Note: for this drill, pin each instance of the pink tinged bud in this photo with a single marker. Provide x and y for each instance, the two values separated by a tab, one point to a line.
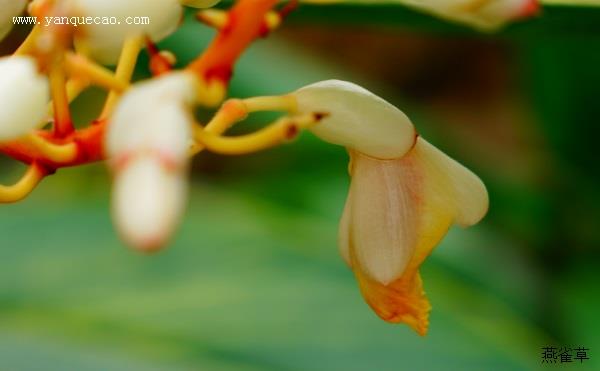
148	202
156	19
8	10
24	94
148	139
357	119
200	3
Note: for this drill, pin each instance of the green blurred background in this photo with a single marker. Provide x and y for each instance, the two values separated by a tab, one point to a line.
253	280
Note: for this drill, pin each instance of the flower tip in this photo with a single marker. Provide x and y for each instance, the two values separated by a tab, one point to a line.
148	200
529	9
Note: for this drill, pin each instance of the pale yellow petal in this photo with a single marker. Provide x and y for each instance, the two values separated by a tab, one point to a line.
453	183
385	215
433	192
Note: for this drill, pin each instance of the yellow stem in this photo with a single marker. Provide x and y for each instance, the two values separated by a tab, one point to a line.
75	87
24	186
286	103
62	114
280	131
214	18
28	45
210	94
231	112
127	61
83	68
235	110
59	153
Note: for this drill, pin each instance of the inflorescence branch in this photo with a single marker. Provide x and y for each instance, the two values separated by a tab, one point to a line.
70	73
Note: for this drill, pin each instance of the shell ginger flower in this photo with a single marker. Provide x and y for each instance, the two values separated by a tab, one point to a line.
404	195
148	140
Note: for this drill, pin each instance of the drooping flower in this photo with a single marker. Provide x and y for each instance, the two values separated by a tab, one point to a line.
156	19
8	10
483	14
148	140
24	94
404	195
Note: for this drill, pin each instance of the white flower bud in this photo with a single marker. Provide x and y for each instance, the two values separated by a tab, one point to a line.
148	200
104	41
153	116
148	140
200	3
24	94
357	119
8	10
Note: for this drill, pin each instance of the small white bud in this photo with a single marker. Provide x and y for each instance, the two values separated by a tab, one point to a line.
8	10
148	200
24	94
357	119
157	19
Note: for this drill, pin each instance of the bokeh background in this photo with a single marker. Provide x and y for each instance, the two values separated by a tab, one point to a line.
253	280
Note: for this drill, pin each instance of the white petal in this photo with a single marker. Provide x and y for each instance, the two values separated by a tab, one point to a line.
148	202
200	3
24	94
357	119
384	216
104	42
154	116
8	10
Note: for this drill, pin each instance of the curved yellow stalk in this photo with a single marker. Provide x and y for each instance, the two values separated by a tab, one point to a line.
280	131
127	61
59	153
20	190
215	18
287	103
82	67
235	110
